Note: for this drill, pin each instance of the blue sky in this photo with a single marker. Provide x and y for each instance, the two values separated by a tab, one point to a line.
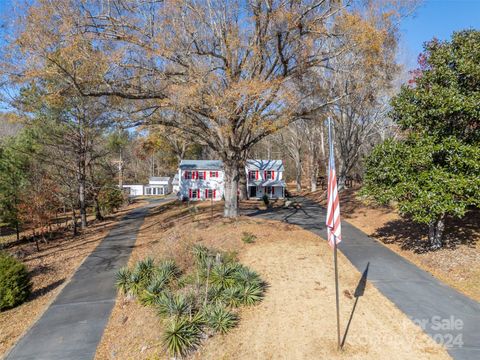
434	18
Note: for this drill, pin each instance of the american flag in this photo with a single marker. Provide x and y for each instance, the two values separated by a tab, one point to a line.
334	228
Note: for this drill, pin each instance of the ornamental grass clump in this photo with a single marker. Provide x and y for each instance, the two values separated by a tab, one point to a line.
196	304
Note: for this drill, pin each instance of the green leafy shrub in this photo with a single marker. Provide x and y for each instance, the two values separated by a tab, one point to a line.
15	284
111	199
266	200
248	238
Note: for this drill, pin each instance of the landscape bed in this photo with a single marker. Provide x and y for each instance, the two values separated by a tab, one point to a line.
295	320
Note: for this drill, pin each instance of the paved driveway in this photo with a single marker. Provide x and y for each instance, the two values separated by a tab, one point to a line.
448	316
72	326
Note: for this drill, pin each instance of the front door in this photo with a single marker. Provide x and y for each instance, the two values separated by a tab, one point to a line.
253	191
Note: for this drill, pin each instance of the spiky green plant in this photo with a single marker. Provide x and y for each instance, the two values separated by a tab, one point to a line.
231	296
201	254
149	296
252	294
123	279
135	284
219	319
245	276
170	304
182	335
222	275
168	270
144	271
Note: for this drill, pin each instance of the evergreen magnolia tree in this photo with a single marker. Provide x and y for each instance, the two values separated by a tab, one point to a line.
435	172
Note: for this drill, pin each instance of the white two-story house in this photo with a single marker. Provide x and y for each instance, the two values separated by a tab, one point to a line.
200	180
265	177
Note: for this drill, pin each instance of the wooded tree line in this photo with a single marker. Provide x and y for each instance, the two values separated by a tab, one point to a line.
224	74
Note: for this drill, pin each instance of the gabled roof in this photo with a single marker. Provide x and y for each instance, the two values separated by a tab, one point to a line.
257	164
201	165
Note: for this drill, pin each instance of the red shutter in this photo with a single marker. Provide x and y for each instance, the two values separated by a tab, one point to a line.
214	194
256	175
185	174
265	175
190	193
273	175
216	174
204	175
206	193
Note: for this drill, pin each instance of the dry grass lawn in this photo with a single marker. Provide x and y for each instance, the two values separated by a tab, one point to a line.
51	268
296	320
457	264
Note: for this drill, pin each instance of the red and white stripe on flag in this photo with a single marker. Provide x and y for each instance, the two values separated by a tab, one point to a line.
334	228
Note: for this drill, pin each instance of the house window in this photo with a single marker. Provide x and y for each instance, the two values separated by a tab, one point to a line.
269	190
188	175
214	174
252	175
201	175
269	175
148	191
208	193
193	193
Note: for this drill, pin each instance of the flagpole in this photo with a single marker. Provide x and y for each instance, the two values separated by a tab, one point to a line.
335	262
337	300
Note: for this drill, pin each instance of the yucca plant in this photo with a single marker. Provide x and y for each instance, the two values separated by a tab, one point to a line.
149	296
219	319
135	284
245	276
123	279
144	271
231	296
252	294
201	254
182	335
168	270
222	275
169	304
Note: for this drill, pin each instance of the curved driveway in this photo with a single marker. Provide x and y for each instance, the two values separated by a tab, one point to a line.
448	316
73	324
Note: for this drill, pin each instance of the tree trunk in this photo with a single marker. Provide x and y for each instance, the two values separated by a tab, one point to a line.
74	222
242	182
435	233
98	213
17	230
82	203
120	170
298	177
231	187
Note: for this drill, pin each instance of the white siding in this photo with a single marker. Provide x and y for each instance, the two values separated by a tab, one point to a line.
134	190
213	183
